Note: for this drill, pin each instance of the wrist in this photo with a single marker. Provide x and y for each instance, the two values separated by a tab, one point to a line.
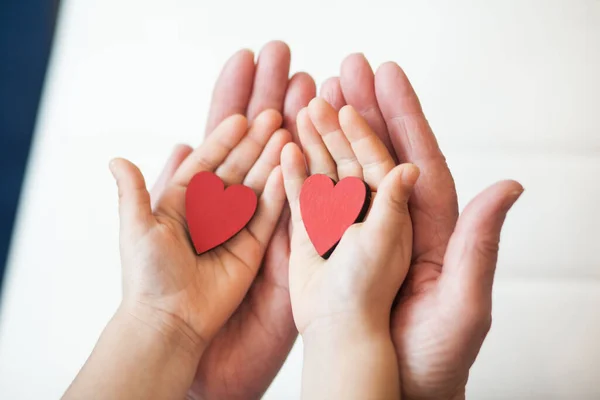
346	328
140	354
354	360
357	340
163	328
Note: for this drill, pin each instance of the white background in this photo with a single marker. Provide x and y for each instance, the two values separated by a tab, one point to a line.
512	89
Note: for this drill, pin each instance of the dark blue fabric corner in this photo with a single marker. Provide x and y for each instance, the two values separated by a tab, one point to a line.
26	31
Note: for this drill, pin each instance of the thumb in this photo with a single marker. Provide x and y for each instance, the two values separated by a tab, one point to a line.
134	199
389	213
470	260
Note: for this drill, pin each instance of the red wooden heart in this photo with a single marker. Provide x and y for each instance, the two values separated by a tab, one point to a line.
328	209
215	214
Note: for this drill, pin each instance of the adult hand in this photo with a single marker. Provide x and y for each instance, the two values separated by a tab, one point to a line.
244	357
443	311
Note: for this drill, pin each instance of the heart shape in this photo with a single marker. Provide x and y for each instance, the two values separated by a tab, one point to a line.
328	209
215	214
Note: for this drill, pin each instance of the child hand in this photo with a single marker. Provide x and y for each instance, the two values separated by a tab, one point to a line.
162	275
342	305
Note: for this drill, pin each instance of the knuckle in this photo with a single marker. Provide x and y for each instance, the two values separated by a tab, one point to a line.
486	245
203	163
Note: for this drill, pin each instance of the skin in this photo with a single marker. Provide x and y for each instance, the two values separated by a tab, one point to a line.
167	287
443	311
244	357
342	305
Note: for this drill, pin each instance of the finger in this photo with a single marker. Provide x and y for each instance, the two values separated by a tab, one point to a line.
270	205
317	156
268	160
270	79
389	218
210	154
134	199
470	261
331	92
434	206
231	93
294	175
325	120
239	161
180	152
371	153
357	83
301	89
250	244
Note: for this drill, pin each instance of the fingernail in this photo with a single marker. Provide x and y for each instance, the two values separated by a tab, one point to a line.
513	197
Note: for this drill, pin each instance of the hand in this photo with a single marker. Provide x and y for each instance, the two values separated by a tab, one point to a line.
443	312
244	357
162	274
366	269
349	295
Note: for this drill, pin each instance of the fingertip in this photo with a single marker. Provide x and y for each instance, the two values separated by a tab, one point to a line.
302	86
235	122
112	166
409	174
329	84
244	54
303	124
292	161
353	62
400	181
275	176
239	60
275	48
307	132
270	117
514	190
351	121
347	113
303	78
315	104
391	80
116	165
283	135
360	56
238	119
127	175
514	186
389	67
302	115
301	89
288	154
319	109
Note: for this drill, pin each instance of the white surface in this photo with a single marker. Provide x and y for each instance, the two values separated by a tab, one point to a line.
511	88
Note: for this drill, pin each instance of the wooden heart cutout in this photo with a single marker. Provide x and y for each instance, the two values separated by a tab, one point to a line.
215	214
328	209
